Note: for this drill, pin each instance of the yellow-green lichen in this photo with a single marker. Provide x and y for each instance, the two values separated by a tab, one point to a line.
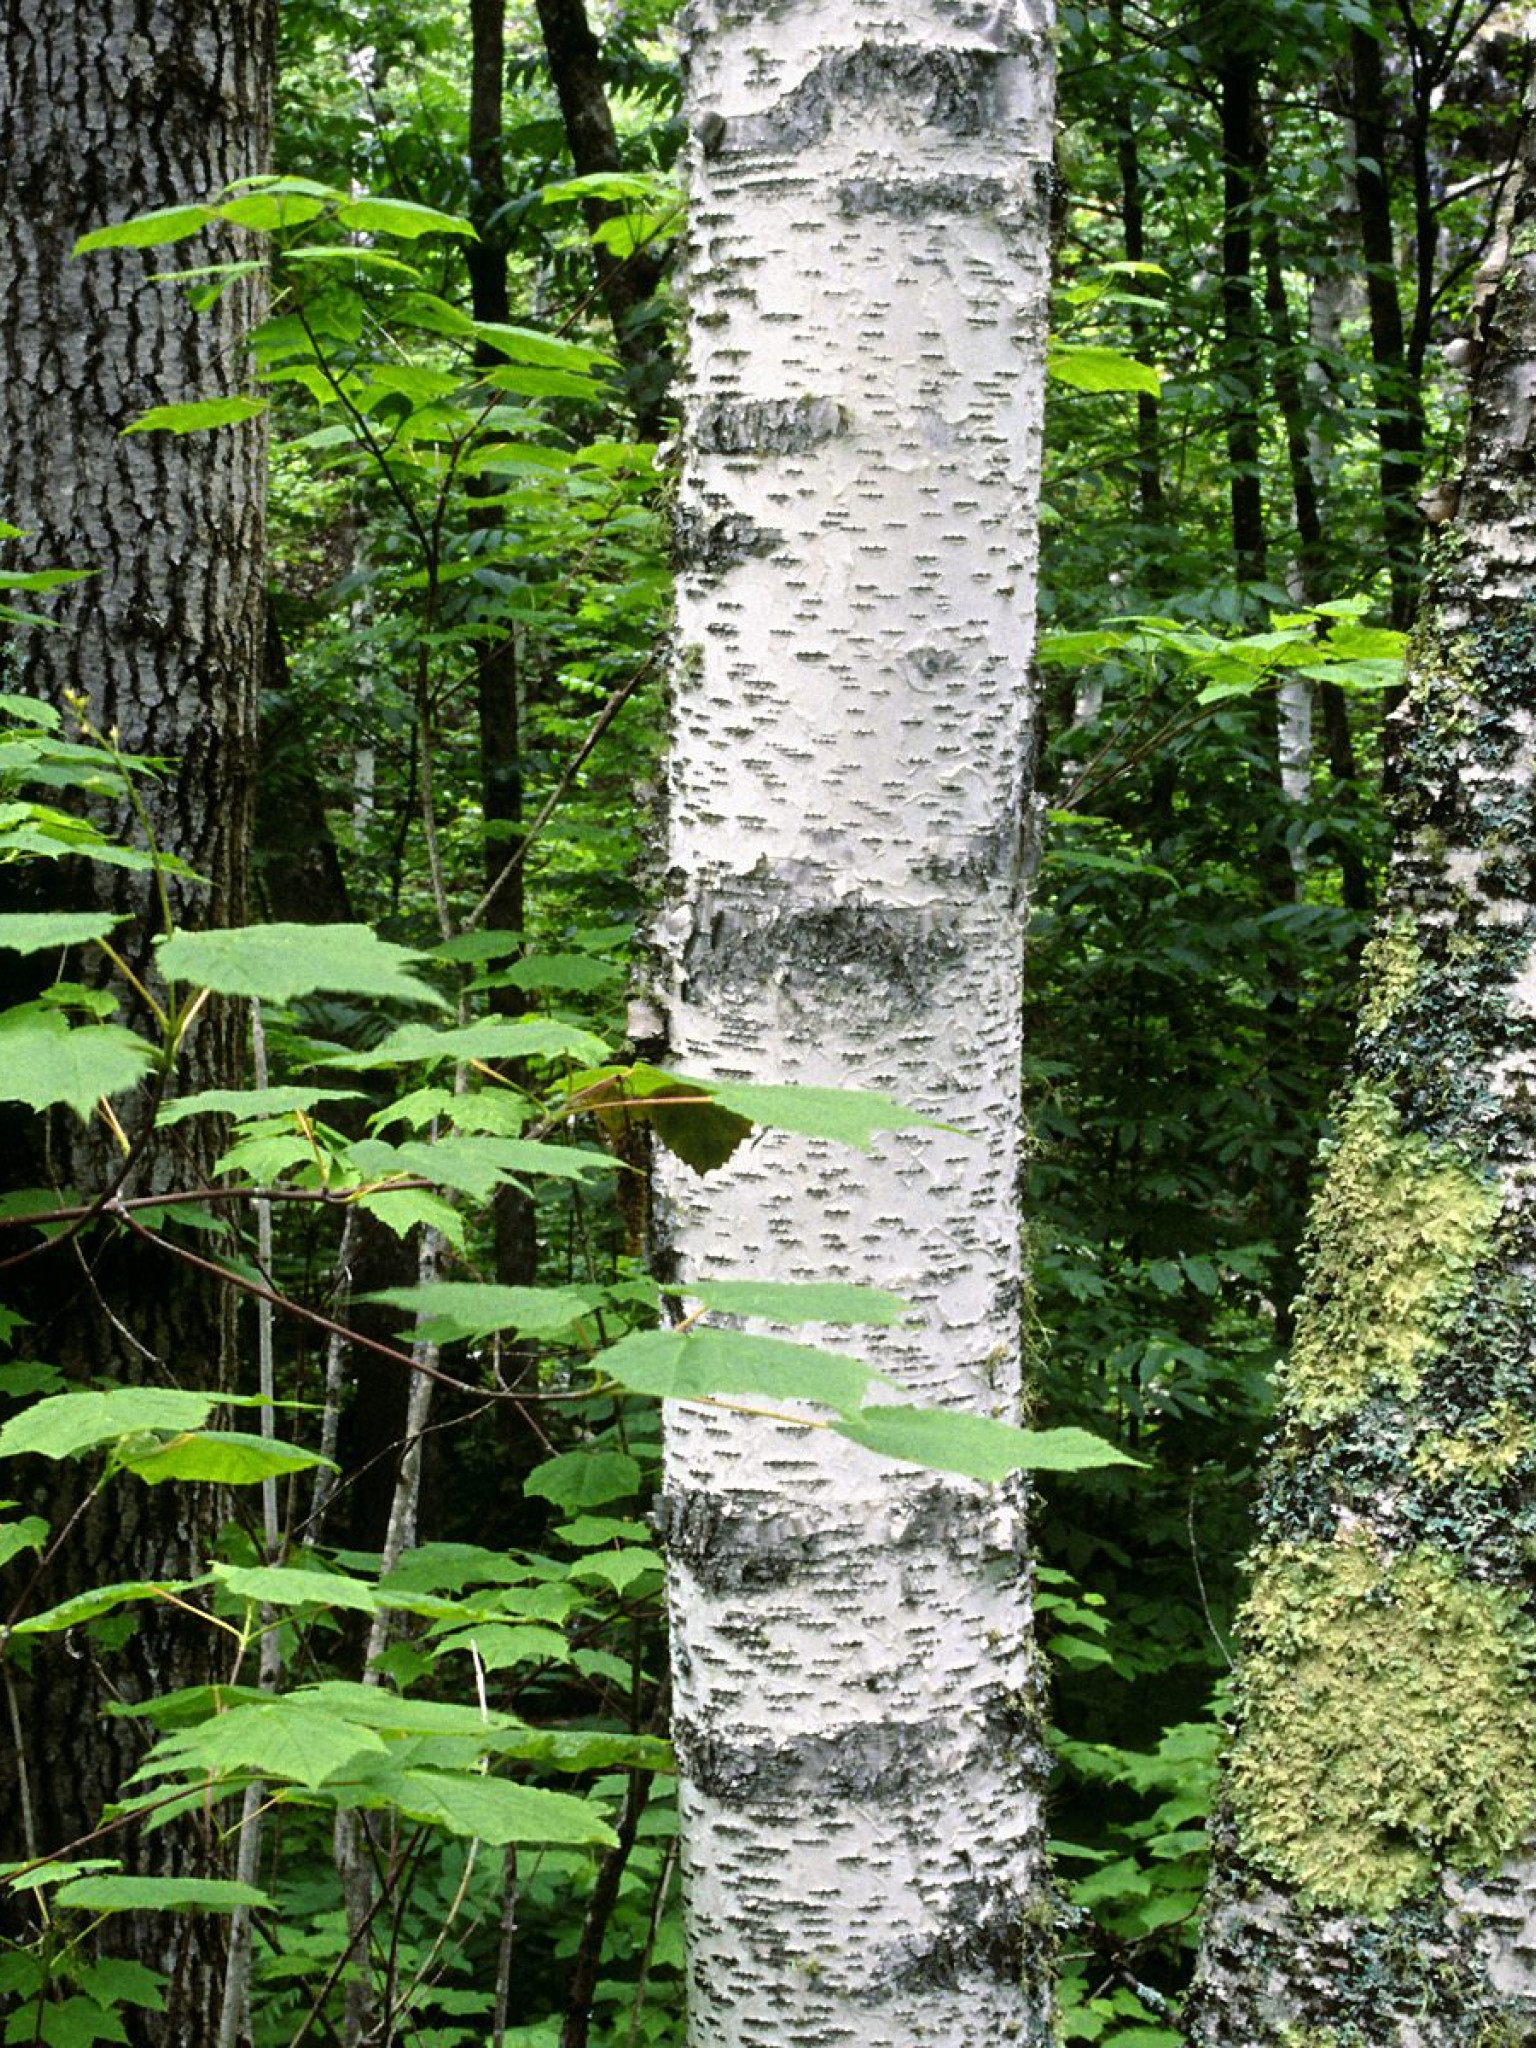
1389	974
1484	1453
1387	1727
1398	1227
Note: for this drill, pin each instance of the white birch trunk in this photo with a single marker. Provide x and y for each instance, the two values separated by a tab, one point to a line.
857	1705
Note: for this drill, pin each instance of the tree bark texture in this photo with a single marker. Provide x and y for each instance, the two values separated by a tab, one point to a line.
105	112
627	284
1399	404
857	1708
1375	1885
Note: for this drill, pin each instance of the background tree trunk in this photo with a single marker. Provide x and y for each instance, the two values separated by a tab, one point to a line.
1372	1885
857	1705
105	112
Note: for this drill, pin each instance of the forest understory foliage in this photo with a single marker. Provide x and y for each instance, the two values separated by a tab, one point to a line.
418	1781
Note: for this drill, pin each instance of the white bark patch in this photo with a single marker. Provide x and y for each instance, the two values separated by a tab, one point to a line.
856	1701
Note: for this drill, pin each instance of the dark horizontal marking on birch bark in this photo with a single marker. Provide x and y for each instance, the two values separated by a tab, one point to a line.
718	540
921	198
766	426
886	953
925	88
985	1932
730	1549
999	26
873	1761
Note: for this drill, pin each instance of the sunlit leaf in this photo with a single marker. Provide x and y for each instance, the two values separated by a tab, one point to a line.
219	1457
146	230
978	1446
689	1365
196	416
278	962
45	1059
65	1424
454	1310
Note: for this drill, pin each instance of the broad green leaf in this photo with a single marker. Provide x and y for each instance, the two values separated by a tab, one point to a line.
577	972
99	1600
619	1569
267	210
46	931
374	1706
52	579
72	2022
29	1877
848	1116
403	1210
603	185
584	1479
1073	650
581	1750
31	1533
501	1646
109	1894
66	1424
278	962
511	1038
474	1164
532	380
698	1130
1087	368
147	230
474	947
44	1059
274	1585
221	1457
278	1738
434	315
691	1365
549	351
374	216
197	416
494	1810
531	1156
978	1446
794	1301
468	1309
115	1980
587	1531
352	256
250	1102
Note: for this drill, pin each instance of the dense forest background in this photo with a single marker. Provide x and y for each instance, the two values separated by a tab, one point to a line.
1270	221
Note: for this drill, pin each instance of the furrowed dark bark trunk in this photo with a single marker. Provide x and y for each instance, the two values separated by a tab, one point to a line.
1312	546
105	112
1399	407
627	284
496	672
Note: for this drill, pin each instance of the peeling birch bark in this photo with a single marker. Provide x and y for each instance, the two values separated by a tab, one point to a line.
1376	1881
857	1698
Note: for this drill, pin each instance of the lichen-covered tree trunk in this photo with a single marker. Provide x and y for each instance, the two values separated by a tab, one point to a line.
856	1702
106	111
1373	1887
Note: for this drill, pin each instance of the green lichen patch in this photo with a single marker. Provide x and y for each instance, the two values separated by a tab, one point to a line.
1387	1728
1486	1452
1389	973
1398	1228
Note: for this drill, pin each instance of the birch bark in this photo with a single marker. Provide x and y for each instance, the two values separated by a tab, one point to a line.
857	1707
1374	1875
